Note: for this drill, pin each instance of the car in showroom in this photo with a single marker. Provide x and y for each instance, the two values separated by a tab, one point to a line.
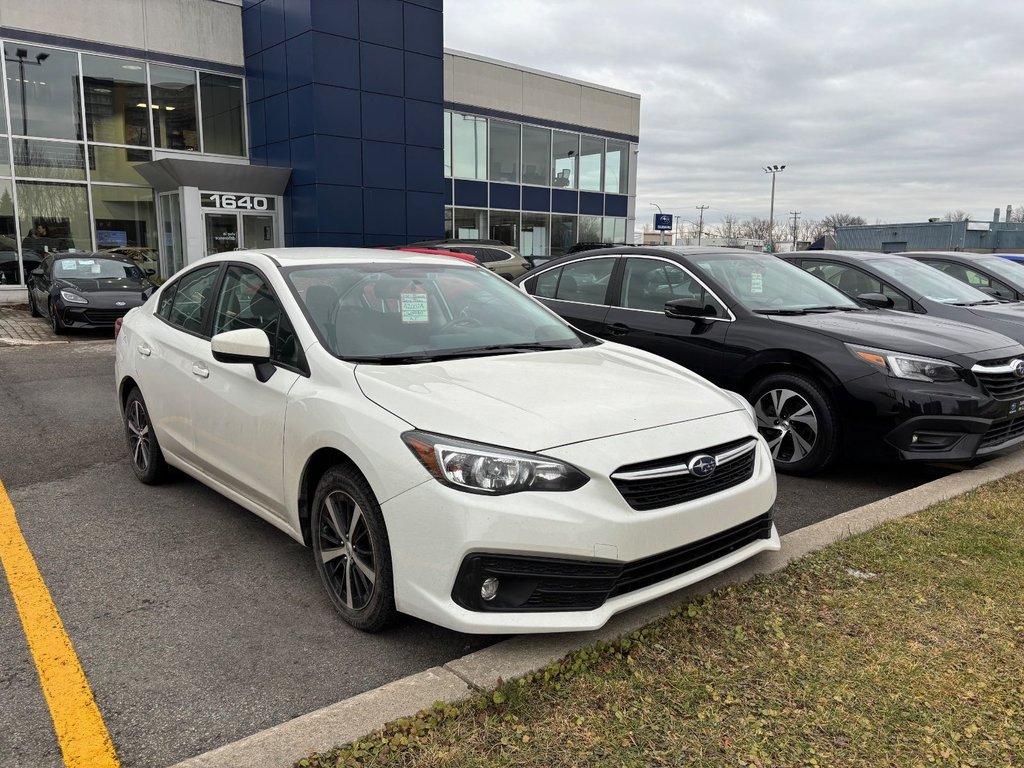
86	290
370	404
989	274
500	258
896	282
827	375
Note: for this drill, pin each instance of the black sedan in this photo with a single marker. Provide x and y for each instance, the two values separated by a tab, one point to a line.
86	290
910	286
991	274
826	374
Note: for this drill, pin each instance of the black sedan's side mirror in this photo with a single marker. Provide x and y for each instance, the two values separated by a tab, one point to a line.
689	308
879	300
37	271
150	271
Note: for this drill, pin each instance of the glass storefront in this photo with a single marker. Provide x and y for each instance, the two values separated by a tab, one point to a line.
533	234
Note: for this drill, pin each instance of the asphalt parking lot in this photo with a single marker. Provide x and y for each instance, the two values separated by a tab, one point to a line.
195	622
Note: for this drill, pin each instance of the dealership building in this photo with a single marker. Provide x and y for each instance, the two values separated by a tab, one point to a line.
173	129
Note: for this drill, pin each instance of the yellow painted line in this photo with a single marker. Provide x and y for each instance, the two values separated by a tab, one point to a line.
82	735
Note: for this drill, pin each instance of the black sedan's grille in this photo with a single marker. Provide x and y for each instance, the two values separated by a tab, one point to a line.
1003	431
1002	385
104	316
549	584
654	492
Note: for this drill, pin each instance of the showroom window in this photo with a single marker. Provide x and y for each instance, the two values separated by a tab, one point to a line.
223	114
9	271
469	146
126	218
563	234
536	155
470	223
117	164
613	230
53	217
505	226
49	160
504	151
174	108
589	229
447	144
565	148
115	100
616	167
591	162
43	91
533	239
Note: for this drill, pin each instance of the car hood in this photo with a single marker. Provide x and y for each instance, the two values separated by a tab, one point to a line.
540	400
904	332
103	285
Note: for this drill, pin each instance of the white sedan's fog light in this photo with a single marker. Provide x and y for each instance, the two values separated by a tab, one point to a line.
489	588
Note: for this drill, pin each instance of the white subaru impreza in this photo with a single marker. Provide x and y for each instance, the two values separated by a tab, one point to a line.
448	447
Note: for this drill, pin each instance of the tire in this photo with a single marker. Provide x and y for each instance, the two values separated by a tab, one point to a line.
33	310
55	322
144	452
351	550
797	418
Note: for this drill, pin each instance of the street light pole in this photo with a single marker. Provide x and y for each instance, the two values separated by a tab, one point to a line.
700	227
660	212
772	169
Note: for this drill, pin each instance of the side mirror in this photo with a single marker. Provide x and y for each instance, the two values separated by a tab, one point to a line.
689	308
247	346
879	300
38	271
150	271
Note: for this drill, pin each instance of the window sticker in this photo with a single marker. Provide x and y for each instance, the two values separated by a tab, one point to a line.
414	308
756	283
68	264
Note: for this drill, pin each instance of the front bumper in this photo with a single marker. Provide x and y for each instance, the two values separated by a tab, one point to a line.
92	316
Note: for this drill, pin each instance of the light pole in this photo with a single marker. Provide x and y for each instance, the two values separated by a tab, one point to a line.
772	169
660	212
700	227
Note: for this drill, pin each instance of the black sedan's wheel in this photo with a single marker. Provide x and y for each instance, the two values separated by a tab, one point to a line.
797	419
33	310
55	322
350	544
143	450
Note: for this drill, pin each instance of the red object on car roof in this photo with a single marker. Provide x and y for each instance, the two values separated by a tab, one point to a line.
437	252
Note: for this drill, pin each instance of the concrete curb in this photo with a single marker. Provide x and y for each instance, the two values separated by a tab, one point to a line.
360	715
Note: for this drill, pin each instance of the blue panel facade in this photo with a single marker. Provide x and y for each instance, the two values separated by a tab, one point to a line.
349	94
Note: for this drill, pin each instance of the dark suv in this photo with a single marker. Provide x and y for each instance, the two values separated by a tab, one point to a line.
825	373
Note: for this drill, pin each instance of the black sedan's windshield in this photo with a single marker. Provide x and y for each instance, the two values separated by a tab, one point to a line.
767	284
94	268
405	313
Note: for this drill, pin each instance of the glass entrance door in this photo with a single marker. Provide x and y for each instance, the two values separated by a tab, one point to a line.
221	233
258	231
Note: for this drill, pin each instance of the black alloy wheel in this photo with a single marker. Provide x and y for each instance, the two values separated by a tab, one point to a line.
798	420
144	452
55	322
351	548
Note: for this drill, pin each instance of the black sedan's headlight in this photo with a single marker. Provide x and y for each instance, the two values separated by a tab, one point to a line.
480	468
903	366
73	298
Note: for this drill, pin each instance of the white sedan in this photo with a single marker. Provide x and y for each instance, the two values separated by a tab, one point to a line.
448	447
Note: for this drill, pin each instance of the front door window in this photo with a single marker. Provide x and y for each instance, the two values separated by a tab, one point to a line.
258	231
221	233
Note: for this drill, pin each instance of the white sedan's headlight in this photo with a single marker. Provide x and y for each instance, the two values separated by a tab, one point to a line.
911	367
479	468
73	298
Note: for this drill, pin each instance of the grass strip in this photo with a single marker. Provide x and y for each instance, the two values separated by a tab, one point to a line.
900	647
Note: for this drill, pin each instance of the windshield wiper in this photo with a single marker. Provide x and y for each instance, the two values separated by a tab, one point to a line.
833	309
454	354
780	311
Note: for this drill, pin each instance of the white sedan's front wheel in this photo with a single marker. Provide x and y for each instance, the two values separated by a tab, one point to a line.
143	450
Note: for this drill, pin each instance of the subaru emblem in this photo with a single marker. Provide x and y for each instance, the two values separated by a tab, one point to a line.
702	465
1018	368
119	303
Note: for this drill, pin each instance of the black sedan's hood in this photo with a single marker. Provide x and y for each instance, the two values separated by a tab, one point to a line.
104	285
911	334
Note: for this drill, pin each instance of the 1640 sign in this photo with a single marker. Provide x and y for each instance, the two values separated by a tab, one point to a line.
230	202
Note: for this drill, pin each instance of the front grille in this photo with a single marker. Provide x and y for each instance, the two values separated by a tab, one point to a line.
1003	431
1002	385
548	584
104	316
655	492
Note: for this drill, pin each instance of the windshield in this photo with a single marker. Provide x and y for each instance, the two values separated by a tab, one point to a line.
1008	270
95	269
930	282
397	313
762	283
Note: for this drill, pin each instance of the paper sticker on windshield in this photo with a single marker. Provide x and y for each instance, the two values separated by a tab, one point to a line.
414	308
756	284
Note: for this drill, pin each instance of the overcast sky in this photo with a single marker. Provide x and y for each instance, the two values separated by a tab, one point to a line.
894	111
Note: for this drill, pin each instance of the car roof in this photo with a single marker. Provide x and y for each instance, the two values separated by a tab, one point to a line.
291	257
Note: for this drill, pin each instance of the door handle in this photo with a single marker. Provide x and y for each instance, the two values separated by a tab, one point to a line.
200	370
144	350
618	329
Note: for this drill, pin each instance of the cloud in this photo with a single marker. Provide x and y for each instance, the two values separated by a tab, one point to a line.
894	111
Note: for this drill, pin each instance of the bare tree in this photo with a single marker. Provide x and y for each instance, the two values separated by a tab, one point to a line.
1016	215
957	215
831	223
728	229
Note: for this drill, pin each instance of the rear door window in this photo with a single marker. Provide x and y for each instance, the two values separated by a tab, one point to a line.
193	297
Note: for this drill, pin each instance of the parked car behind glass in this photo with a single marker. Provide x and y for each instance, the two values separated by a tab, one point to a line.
369	403
826	374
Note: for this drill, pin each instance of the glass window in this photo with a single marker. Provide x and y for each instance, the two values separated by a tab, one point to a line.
9	274
246	301
53	217
563	234
49	160
585	281
174	108
470	223
3	105
504	151
126	218
192	299
544	285
449	232
223	114
536	155
5	157
613	230
533	240
591	160
116	103
117	164
648	283
505	226
590	229
565	148
43	92
447	143
616	167
970	276
170	218
469	146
